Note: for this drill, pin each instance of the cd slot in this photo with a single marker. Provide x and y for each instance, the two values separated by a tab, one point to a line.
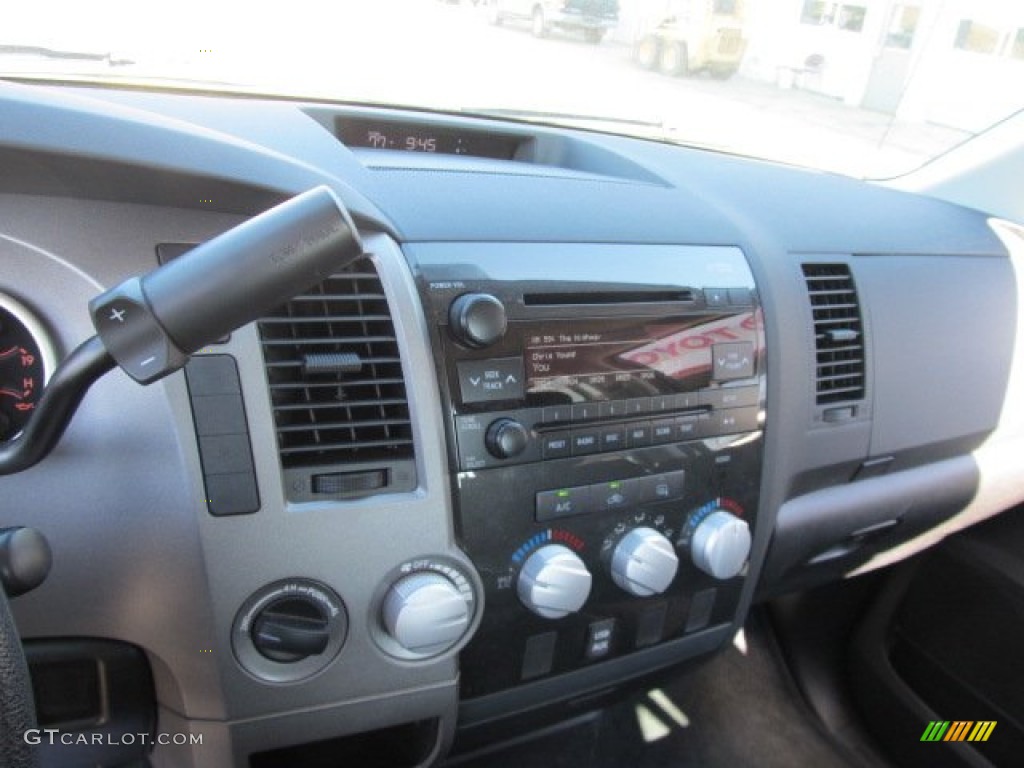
581	298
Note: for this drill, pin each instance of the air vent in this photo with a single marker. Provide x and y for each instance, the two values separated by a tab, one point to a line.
838	332
335	376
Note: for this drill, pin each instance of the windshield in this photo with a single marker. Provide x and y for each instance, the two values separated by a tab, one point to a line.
872	88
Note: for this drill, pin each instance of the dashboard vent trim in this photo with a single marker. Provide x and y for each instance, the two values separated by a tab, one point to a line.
840	372
335	376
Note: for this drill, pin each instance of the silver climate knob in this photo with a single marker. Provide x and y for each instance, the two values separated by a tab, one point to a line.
425	613
644	562
721	545
554	582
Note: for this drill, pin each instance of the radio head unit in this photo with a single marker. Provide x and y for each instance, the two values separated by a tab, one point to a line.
606	449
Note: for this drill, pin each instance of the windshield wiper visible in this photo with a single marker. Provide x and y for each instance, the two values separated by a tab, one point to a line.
533	114
57	53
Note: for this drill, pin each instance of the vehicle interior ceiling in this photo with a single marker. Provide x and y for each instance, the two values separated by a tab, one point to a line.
577	449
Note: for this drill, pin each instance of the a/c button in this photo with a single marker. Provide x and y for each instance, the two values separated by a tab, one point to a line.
562	502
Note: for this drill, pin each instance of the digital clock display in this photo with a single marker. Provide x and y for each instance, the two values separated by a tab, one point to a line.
413	137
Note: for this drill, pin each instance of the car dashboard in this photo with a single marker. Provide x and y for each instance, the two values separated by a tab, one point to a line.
581	403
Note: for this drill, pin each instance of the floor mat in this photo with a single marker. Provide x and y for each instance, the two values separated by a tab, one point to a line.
738	709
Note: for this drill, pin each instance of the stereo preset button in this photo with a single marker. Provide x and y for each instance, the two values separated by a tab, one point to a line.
552	413
617	409
705	424
663	403
663	431
584	443
563	502
638	435
685	400
613	409
613	439
556	445
483	381
734	360
638	406
586	411
688	427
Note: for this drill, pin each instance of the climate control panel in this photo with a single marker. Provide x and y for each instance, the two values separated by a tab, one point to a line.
602	568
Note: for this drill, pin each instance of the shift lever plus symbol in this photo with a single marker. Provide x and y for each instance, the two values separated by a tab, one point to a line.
117	314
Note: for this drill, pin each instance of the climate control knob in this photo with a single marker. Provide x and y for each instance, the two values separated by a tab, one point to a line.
477	320
644	562
425	613
506	438
720	544
554	582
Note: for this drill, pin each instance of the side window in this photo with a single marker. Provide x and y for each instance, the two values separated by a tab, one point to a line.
851	17
816	12
846	17
1017	49
902	26
975	37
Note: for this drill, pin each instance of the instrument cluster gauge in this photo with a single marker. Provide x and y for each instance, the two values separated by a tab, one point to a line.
27	360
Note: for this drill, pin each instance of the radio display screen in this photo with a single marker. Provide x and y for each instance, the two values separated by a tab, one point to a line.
624	358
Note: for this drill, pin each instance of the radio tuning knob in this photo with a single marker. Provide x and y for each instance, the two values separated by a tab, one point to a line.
644	562
554	582
720	544
506	438
477	320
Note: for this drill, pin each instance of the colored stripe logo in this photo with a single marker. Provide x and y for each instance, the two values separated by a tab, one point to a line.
958	730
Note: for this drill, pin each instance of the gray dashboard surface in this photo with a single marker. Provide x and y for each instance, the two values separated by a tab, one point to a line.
122	490
707	197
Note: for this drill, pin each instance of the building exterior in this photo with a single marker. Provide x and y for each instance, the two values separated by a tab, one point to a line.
895	56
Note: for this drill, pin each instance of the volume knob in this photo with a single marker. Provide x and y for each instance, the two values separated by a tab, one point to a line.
554	582
644	562
721	545
477	319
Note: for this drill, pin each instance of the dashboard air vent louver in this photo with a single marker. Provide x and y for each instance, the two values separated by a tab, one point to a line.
334	373
838	332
